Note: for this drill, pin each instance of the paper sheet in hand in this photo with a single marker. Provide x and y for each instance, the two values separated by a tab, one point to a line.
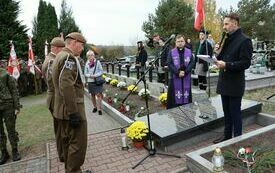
207	58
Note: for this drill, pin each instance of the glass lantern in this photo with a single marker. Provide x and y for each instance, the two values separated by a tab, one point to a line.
218	160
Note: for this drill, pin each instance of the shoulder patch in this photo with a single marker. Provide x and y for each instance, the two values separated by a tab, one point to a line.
69	64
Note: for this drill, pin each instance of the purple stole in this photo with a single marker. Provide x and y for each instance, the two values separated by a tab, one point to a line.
182	86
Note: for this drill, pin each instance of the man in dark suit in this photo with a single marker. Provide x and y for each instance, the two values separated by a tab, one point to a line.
233	58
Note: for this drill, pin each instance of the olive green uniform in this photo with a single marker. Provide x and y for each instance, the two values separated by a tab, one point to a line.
9	102
47	72
69	100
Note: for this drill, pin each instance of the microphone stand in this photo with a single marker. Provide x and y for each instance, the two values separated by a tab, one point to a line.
151	151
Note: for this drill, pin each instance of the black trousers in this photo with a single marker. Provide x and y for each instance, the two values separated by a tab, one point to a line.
202	82
232	116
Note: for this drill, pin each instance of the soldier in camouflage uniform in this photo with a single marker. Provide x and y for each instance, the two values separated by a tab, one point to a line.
9	109
69	109
56	46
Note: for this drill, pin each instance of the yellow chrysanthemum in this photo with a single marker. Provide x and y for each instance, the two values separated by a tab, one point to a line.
163	98
114	82
132	88
137	131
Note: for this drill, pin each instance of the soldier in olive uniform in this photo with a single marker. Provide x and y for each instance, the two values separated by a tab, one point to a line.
9	109
56	46
69	109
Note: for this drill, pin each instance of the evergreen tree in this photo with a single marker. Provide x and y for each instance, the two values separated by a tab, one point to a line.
171	16
66	20
45	27
261	24
12	29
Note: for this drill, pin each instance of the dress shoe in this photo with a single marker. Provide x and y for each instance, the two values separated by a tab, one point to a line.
221	139
15	155
99	112
4	157
94	110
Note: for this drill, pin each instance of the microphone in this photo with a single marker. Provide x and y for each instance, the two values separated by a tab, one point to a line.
170	38
219	45
222	39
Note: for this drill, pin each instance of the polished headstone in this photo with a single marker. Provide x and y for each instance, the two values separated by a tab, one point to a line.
181	120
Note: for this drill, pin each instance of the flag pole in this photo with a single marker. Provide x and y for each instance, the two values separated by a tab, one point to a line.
207	53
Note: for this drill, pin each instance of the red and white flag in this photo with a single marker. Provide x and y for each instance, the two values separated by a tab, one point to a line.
13	65
199	14
31	62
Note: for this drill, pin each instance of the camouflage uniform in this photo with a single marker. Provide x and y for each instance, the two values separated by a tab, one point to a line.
9	102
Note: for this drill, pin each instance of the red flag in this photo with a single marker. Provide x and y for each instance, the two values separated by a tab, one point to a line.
13	65
31	62
199	14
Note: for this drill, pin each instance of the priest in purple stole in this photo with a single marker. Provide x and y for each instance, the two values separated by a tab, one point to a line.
180	62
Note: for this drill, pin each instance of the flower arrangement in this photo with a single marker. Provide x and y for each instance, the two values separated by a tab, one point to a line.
142	93
121	85
253	159
247	156
114	82
104	76
137	131
107	79
163	98
132	88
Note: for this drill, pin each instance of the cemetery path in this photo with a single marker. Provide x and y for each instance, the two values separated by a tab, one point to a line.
38	164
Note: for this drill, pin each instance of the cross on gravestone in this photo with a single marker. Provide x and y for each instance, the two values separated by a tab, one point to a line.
178	94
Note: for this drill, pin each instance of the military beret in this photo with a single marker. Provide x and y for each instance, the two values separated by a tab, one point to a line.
76	36
57	42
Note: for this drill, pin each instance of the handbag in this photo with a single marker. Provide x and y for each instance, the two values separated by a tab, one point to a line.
98	80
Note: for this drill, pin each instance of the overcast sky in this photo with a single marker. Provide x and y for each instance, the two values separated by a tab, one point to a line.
106	22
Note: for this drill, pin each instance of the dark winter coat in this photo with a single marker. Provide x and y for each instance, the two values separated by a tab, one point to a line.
236	53
142	57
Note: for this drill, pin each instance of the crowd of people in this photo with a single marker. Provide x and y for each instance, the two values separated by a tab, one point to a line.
66	79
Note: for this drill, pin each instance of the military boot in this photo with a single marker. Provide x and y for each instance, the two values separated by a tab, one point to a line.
4	157
15	155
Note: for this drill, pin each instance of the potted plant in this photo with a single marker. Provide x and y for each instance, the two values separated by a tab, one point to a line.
132	88
137	132
142	93
114	82
163	99
121	85
108	79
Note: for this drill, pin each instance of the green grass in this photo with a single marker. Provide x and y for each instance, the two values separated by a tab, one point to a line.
34	123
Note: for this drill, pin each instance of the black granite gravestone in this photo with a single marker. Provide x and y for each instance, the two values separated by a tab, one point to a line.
178	124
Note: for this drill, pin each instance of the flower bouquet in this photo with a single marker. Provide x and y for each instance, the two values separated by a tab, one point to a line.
163	98
142	93
121	85
137	131
114	82
132	88
104	76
